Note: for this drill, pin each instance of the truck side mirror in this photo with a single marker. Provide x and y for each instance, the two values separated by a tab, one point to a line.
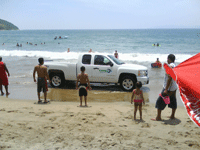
111	64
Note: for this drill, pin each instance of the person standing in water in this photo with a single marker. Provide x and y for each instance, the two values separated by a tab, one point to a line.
116	54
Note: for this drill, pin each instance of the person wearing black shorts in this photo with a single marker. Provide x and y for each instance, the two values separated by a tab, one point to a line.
169	89
83	89
160	104
83	86
42	73
41	85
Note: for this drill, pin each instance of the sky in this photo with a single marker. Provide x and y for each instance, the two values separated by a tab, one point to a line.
101	14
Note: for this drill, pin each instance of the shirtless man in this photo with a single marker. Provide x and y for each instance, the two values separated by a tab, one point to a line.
158	61
159	64
84	85
3	77
42	79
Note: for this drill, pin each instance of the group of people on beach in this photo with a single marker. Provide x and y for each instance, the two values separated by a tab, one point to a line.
83	84
169	90
43	76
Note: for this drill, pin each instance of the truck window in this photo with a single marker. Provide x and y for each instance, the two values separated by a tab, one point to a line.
117	61
86	59
101	60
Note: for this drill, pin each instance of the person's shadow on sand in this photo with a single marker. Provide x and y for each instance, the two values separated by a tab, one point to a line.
172	121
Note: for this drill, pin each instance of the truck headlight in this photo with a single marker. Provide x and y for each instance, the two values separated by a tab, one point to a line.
142	73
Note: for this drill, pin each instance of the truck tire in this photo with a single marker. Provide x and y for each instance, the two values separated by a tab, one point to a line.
127	83
57	80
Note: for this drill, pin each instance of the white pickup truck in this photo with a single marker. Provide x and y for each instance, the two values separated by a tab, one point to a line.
101	68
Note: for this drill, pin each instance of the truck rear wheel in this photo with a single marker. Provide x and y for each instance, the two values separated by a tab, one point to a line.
57	80
127	83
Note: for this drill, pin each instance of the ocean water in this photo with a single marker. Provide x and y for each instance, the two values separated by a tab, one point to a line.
128	42
133	46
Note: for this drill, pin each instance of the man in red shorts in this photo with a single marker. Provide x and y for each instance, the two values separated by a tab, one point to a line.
3	77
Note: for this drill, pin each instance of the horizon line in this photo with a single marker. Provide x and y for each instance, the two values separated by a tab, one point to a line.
117	29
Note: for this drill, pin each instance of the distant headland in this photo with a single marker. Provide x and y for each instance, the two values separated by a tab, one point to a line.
5	25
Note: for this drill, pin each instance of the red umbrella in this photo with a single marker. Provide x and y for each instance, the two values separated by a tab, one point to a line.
187	76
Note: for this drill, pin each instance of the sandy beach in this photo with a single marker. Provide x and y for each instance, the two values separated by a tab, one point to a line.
107	124
104	125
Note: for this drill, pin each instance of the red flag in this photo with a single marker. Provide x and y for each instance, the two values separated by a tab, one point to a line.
187	76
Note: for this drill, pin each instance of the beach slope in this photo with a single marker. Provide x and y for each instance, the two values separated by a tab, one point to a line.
63	125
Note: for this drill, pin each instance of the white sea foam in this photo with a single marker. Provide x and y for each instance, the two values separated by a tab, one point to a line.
139	57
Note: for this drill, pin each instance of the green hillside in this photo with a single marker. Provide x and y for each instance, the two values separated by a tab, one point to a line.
5	25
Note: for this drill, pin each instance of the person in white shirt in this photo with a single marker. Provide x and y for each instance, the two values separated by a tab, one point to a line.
169	89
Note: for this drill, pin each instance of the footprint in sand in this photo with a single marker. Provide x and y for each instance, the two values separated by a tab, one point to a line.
104	145
49	127
122	125
128	117
47	112
28	107
15	111
31	112
125	135
8	125
172	133
100	114
52	119
145	125
86	138
193	144
59	139
21	124
40	115
171	142
156	138
71	114
185	134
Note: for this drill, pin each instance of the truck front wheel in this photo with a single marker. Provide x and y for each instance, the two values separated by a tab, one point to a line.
127	83
57	80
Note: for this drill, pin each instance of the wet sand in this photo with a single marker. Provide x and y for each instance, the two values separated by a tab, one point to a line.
71	95
25	88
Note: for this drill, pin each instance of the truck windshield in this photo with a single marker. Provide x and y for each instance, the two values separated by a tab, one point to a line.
117	61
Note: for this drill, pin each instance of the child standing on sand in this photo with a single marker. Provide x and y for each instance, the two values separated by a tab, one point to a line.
138	99
83	86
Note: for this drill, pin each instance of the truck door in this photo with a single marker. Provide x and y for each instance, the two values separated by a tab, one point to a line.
86	62
102	70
